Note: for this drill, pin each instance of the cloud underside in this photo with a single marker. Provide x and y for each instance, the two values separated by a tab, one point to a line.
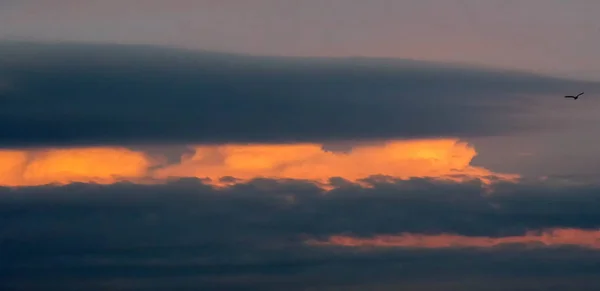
75	94
403	233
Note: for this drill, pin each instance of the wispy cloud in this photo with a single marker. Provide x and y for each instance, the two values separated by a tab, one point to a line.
553	237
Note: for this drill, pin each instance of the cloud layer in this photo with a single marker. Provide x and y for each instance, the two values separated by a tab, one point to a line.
66	94
63	166
231	163
256	235
554	237
300	172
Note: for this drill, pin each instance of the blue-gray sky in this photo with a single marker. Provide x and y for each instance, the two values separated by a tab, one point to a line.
299	145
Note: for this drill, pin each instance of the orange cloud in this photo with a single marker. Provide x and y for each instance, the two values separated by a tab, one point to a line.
11	167
554	237
441	158
62	166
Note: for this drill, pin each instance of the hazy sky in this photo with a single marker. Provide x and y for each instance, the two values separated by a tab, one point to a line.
225	145
549	35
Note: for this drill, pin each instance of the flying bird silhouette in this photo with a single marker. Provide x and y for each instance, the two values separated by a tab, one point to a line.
574	97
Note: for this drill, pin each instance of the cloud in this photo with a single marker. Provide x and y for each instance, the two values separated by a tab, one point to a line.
440	158
62	166
292	207
229	215
76	94
232	163
553	237
252	234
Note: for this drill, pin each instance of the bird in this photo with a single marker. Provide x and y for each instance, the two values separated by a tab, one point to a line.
574	97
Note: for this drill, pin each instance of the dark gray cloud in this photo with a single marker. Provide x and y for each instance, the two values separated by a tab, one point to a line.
94	93
189	236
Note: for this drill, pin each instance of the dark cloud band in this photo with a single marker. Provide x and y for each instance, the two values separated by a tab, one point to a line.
250	235
110	94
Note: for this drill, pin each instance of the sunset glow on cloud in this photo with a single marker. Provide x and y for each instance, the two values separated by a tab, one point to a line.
554	237
440	158
63	166
299	145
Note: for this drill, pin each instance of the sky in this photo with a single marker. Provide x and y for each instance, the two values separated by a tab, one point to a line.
299	145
